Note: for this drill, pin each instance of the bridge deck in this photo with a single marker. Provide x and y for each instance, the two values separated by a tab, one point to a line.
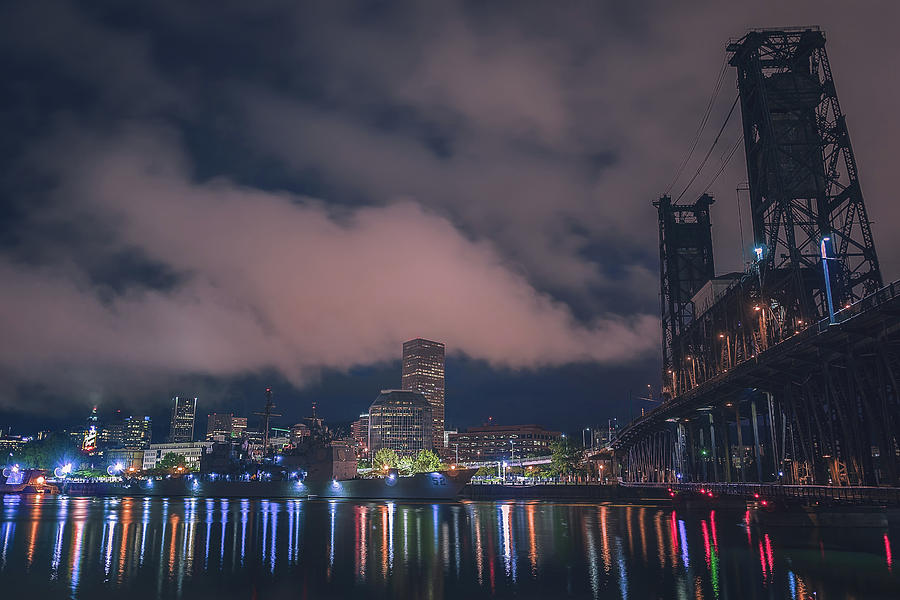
875	315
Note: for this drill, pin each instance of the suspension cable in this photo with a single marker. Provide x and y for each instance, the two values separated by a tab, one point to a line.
703	120
725	161
709	152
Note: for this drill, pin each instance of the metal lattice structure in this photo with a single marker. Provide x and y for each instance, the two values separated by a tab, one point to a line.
686	264
804	183
761	384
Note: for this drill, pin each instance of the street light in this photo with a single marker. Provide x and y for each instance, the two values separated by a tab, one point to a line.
825	260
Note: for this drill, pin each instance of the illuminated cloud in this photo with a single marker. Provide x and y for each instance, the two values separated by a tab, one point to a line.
275	281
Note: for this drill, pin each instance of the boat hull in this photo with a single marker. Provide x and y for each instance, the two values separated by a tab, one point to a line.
423	486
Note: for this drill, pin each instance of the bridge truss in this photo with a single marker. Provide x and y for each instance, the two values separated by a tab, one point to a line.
761	386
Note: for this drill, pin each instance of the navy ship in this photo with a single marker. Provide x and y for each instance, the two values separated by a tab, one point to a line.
446	485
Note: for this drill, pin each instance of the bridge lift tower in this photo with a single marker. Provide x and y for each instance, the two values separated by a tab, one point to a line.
804	184
828	387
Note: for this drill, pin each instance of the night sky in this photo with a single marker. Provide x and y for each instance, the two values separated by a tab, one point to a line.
208	198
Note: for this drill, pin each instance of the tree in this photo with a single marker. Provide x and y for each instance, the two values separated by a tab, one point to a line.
563	457
171	461
426	462
53	451
405	465
385	457
486	471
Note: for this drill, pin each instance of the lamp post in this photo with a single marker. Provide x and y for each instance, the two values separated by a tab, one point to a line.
825	260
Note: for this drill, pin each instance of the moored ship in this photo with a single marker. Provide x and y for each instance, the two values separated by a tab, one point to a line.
446	485
26	481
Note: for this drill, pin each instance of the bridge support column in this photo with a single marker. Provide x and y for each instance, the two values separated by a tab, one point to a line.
757	450
740	437
722	426
712	445
777	464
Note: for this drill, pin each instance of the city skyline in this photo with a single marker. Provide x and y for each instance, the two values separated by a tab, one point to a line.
480	200
361	299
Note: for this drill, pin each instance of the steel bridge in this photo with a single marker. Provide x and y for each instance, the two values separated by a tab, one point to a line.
787	372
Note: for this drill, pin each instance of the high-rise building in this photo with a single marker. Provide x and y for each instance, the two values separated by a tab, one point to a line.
423	371
219	425
400	420
112	431
359	431
136	433
184	411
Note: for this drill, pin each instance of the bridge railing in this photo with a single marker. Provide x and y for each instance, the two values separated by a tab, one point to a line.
848	494
888	292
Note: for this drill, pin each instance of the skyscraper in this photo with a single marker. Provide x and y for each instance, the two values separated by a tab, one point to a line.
423	371
359	431
184	410
219	425
136	433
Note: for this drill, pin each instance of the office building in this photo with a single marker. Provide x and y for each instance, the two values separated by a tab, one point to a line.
447	434
501	442
136	433
10	444
423	371
359	431
130	460
219	426
112	432
184	412
400	420
238	426
192	452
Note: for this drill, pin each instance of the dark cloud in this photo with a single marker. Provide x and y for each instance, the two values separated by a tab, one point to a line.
273	281
217	189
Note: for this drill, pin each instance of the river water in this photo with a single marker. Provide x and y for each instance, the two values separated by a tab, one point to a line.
136	548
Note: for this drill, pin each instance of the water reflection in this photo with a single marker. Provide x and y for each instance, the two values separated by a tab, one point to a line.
149	548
